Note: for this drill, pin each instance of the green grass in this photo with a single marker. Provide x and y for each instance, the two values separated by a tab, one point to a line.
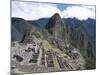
47	45
38	34
56	63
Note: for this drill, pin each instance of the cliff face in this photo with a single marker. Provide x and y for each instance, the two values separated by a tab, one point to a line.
56	31
56	26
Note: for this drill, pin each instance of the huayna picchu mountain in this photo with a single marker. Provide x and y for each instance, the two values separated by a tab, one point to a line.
56	26
53	47
56	31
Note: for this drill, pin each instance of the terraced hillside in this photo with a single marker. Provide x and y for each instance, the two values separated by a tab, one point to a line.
41	56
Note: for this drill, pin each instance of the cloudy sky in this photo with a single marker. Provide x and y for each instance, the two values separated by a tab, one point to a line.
34	11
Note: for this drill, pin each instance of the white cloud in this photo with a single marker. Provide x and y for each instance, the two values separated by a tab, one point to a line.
33	11
79	12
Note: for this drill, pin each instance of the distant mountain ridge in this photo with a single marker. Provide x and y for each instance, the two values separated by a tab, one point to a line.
88	24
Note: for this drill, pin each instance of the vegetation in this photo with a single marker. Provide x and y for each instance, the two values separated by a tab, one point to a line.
47	45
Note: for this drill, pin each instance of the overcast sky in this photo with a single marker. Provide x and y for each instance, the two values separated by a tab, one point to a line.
34	11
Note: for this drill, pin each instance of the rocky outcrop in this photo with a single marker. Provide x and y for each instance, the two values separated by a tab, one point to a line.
56	26
56	31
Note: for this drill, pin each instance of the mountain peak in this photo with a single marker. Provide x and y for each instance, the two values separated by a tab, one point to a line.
55	22
56	16
55	26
